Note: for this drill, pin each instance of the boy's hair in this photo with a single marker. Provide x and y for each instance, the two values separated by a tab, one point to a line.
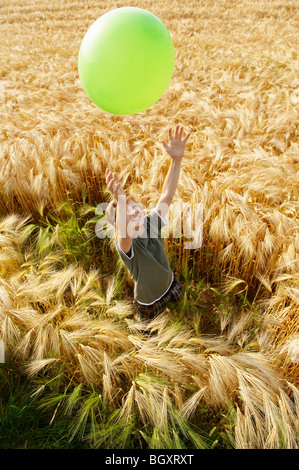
111	209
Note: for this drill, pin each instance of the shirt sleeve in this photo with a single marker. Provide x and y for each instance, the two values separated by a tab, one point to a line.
155	223
164	220
127	260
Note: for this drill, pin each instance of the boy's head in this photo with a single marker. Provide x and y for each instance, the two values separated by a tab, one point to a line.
134	215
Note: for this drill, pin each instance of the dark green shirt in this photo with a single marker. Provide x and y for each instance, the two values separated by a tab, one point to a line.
148	262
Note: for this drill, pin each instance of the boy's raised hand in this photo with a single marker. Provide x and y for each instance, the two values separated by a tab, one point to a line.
113	184
176	146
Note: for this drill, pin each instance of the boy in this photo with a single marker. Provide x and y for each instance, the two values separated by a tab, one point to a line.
139	241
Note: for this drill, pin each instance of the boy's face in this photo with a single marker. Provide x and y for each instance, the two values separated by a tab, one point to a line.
135	216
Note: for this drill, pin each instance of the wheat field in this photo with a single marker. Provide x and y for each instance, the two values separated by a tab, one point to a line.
231	348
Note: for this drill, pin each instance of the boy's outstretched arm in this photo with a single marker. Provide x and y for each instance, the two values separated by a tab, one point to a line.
117	191
175	149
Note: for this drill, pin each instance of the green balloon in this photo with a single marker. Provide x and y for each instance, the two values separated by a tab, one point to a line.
126	60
